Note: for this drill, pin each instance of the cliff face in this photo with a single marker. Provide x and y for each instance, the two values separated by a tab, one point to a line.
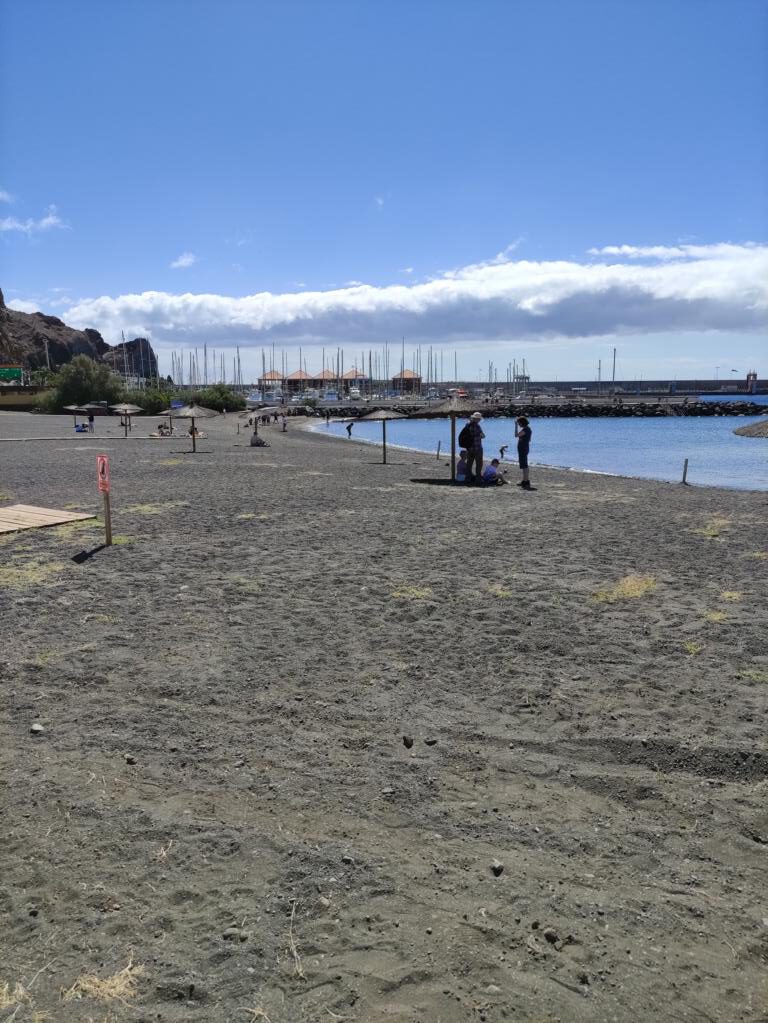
134	358
32	339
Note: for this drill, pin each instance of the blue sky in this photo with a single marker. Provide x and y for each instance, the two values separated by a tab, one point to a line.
344	173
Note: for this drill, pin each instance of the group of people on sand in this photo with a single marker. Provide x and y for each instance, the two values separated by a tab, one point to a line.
469	468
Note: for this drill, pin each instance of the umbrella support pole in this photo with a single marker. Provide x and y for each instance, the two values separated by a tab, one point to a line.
384	440
107	520
453	447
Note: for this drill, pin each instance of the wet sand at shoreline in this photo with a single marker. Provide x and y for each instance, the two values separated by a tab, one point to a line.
222	795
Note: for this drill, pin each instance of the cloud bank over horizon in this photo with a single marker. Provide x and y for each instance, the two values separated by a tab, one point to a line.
638	290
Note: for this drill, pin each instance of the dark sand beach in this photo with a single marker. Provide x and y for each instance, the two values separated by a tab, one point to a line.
221	820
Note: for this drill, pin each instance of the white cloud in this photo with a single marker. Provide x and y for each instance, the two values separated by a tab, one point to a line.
50	220
5	196
379	200
406	270
23	305
184	260
709	288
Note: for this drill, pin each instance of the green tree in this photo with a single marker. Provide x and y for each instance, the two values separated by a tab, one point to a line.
83	380
152	401
218	397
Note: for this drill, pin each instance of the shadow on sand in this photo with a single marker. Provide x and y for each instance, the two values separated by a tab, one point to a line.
85	555
437	482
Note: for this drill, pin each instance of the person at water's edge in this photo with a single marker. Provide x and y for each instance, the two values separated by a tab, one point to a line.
523	433
475	449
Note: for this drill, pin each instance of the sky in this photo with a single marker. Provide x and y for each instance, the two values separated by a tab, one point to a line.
499	179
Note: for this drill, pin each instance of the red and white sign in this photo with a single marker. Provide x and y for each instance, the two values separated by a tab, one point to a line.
102	472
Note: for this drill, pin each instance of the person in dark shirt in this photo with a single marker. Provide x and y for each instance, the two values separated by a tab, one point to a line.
475	450
523	434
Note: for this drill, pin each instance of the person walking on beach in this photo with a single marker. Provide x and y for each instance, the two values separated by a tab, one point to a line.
523	434
349	429
90	422
474	448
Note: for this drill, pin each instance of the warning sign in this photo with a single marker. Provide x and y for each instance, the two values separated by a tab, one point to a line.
102	472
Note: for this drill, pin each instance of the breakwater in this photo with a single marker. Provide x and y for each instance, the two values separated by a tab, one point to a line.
621	409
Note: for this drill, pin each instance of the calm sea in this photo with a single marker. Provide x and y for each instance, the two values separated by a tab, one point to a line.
646	448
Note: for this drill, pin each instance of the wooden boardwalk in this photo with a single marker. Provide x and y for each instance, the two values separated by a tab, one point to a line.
14	517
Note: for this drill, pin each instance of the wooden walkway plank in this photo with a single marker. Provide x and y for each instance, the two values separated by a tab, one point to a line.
15	517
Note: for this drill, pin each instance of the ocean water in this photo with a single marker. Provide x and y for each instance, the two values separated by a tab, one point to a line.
646	448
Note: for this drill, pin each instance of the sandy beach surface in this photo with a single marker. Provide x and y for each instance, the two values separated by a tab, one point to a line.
325	739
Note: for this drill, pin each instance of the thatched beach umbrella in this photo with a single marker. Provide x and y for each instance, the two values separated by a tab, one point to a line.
382	414
454	407
169	413
126	411
76	411
256	413
758	429
193	412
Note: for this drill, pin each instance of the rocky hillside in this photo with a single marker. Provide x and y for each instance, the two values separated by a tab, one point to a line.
32	339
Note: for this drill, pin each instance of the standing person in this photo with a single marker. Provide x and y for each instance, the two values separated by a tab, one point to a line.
475	449
90	422
349	429
284	422
523	434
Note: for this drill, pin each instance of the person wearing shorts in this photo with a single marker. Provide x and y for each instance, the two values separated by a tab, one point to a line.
523	434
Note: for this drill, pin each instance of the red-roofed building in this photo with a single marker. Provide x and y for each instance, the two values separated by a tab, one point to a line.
407	382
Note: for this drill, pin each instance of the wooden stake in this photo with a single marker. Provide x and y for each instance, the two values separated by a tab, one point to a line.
685	472
107	520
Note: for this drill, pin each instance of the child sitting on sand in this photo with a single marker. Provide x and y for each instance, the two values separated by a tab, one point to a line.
461	467
492	476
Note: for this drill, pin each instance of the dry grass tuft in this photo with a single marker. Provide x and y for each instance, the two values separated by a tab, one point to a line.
66	529
4	496
16	995
119	987
754	676
163	852
759	555
713	528
716	616
298	969
156	509
171	461
245	584
731	595
257	1013
246	515
412	593
631	587
497	590
14	576
120	539
692	648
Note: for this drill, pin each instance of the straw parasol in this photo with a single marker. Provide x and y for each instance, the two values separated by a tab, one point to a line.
193	412
454	407
76	410
169	413
382	414
126	411
758	429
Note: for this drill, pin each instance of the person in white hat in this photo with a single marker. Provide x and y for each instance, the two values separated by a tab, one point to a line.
475	449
